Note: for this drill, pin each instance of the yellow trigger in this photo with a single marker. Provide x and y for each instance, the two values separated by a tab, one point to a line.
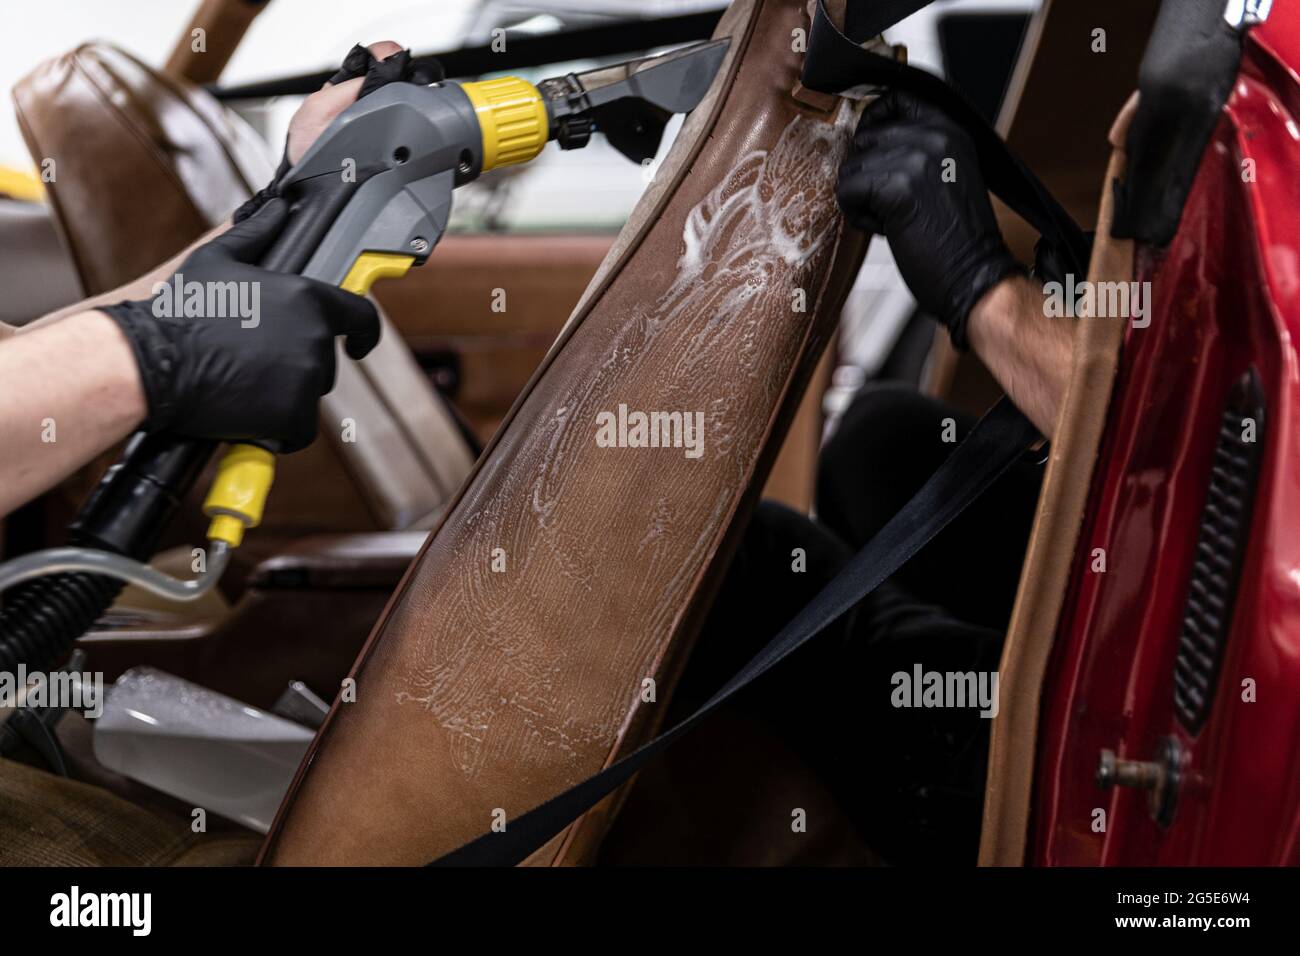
372	266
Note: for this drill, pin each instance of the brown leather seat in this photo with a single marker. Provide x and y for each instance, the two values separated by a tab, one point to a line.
511	663
144	165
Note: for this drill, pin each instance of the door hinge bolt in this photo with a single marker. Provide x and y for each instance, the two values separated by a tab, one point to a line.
1159	778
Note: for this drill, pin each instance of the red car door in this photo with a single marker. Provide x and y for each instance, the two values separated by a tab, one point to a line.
1176	671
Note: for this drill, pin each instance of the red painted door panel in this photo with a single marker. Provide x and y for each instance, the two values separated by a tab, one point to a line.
1226	303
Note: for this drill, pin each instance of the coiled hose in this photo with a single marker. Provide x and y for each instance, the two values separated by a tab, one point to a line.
41	619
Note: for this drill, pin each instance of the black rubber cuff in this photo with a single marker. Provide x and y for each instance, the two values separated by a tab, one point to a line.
355	64
397	68
157	354
990	270
263	195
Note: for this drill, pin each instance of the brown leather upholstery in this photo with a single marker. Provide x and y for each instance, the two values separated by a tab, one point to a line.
144	165
483	689
445	313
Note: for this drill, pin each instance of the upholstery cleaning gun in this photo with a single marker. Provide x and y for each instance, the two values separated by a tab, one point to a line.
368	200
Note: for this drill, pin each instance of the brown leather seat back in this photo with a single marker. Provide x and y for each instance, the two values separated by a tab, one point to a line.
142	165
512	662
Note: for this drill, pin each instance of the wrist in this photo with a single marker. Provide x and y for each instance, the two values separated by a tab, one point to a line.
988	270
995	312
155	355
1028	353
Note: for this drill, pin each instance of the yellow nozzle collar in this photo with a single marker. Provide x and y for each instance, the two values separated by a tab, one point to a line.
512	116
238	494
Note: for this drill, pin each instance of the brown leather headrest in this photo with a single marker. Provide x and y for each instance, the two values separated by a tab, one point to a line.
138	165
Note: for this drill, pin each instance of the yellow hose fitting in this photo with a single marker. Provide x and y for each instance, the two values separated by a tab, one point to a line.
238	494
512	116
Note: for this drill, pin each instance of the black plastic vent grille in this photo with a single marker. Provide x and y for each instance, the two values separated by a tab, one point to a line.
1220	548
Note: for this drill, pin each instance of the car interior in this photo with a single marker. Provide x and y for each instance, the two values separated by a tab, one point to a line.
150	157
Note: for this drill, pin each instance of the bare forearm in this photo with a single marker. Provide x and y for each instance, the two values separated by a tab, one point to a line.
68	391
1027	352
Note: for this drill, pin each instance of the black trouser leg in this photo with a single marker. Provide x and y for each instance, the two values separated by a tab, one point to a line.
890	440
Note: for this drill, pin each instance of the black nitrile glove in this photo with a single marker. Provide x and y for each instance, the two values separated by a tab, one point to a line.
943	234
241	377
398	68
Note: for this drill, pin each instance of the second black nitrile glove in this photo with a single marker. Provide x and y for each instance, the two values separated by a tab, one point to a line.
913	176
254	375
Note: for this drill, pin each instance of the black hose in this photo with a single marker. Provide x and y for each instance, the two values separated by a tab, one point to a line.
126	514
41	619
